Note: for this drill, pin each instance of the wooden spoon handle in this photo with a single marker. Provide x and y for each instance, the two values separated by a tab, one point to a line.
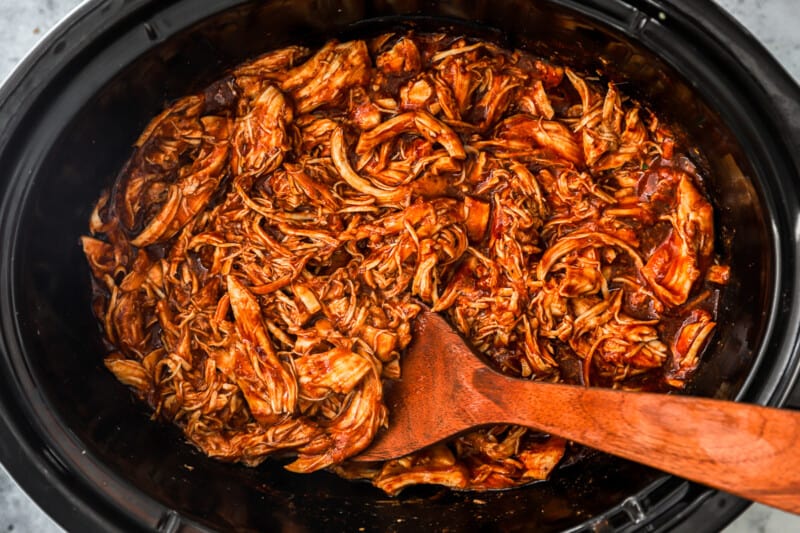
747	450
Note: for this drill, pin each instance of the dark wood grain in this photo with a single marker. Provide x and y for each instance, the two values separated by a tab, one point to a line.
747	450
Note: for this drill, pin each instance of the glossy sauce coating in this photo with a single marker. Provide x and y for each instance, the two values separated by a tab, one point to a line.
260	258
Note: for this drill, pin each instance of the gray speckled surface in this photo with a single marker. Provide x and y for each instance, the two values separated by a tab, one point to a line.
24	22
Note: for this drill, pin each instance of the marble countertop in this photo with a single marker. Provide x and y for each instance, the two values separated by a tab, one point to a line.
23	23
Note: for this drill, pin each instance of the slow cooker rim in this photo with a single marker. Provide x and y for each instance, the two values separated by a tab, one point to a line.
49	474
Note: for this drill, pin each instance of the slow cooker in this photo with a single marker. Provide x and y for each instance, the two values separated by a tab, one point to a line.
77	442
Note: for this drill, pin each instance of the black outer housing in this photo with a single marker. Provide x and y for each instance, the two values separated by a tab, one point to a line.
78	444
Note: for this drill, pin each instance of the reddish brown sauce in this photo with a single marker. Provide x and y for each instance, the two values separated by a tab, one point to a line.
260	258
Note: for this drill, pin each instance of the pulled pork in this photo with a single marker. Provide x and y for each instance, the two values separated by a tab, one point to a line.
260	258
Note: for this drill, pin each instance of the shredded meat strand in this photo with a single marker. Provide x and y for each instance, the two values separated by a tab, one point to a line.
260	258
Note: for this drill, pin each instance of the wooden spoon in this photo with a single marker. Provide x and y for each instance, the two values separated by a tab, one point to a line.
747	450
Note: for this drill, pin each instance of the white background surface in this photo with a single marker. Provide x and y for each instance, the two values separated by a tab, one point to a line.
24	22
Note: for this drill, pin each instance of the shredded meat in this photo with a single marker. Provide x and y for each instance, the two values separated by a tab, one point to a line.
259	260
